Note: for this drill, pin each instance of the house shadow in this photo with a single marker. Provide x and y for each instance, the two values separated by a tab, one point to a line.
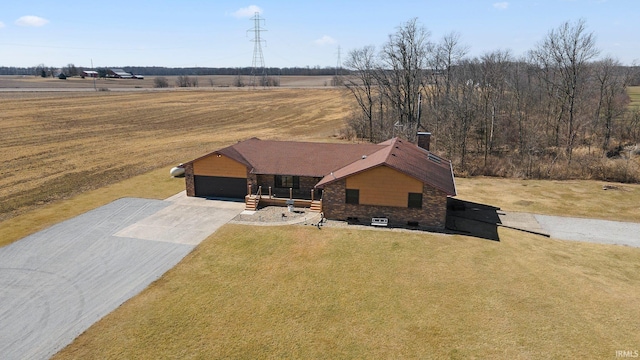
228	199
472	219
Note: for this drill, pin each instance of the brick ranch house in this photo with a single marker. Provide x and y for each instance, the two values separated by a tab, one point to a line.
396	179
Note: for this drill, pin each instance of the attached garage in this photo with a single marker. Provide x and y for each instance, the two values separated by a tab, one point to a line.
219	186
216	175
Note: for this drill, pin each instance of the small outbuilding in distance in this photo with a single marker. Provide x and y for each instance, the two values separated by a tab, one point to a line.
89	73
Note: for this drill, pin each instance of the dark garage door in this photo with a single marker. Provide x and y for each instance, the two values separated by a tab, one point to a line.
215	186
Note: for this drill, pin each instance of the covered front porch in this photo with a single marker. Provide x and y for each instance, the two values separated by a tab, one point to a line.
266	197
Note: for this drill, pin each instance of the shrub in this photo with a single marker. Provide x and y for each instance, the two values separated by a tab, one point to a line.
186	81
160	82
238	81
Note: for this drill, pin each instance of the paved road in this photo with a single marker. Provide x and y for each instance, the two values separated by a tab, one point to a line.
56	283
590	230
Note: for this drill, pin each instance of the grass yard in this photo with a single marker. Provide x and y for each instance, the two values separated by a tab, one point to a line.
577	198
300	292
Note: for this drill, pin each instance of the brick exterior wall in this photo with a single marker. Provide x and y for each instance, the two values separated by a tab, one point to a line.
432	215
188	179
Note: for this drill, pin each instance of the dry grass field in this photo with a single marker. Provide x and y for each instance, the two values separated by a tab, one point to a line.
303	293
577	198
634	95
59	144
300	292
204	82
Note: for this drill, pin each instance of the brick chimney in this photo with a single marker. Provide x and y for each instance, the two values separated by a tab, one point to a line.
424	139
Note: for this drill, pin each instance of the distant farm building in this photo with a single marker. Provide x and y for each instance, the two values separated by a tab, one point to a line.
396	182
89	73
119	73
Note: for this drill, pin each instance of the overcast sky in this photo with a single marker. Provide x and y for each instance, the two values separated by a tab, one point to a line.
210	33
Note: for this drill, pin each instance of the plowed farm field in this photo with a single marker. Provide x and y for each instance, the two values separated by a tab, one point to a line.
55	145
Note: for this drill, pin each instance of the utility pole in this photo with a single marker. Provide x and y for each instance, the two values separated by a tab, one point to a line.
94	78
257	65
339	63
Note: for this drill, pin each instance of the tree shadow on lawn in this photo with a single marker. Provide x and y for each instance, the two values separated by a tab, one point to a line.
472	219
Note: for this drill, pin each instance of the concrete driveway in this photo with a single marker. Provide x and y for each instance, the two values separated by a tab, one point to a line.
591	230
56	283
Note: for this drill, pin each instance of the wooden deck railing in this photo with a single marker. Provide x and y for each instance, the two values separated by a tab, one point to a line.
252	200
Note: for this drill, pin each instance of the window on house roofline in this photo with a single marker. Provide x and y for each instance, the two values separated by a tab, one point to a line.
352	196
287	181
415	201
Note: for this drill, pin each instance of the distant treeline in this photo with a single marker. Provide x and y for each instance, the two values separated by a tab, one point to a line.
169	71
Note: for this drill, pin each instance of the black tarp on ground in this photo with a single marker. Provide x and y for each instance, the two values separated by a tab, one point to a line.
473	219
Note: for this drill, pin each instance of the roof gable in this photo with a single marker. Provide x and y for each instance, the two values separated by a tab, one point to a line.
407	158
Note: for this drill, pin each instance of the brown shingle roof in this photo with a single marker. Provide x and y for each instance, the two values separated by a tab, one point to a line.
407	158
296	158
336	161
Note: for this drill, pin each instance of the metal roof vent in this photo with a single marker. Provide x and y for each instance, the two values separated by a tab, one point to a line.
434	158
364	157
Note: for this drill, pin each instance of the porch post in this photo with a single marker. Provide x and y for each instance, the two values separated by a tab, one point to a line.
269	192
312	194
290	193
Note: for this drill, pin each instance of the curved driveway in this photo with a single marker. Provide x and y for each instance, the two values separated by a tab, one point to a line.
56	283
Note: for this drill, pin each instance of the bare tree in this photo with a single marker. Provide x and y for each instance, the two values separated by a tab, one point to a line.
401	77
186	81
41	70
238	81
71	70
494	71
612	80
464	100
362	82
160	82
567	50
496	115
442	63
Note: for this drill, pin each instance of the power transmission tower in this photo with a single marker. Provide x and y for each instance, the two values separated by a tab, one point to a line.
337	81
257	65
